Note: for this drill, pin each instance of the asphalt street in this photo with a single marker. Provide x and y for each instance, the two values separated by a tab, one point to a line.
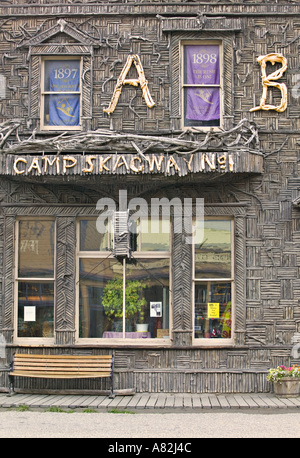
162	426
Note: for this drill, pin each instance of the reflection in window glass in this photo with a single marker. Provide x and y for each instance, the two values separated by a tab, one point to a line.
93	240
146	298
95	275
36	249
154	234
35	265
213	264
35	309
212	310
152	311
145	276
213	253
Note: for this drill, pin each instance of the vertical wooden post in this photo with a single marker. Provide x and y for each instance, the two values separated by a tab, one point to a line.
182	291
65	281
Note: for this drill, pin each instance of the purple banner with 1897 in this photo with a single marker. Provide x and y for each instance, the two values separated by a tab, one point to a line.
202	68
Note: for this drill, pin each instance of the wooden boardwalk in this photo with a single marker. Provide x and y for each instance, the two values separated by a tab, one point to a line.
147	402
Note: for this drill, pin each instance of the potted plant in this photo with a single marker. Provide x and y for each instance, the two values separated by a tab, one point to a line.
112	299
286	380
142	326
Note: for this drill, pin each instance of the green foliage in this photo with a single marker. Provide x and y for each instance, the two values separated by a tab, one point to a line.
121	411
58	410
22	408
112	300
54	409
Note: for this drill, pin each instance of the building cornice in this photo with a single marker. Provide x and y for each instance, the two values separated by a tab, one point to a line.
170	9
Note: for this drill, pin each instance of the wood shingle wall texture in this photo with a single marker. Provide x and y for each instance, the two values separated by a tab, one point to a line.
261	193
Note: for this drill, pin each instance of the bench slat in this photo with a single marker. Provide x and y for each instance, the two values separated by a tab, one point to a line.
65	369
71	361
77	357
60	364
61	374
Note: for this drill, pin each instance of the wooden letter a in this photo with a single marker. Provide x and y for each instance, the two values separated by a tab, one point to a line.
121	81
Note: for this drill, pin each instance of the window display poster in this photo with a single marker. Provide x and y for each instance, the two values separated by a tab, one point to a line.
213	310
202	68
29	313
155	309
64	78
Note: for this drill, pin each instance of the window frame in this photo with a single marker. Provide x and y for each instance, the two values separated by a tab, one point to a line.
137	255
33	340
207	341
44	93
183	85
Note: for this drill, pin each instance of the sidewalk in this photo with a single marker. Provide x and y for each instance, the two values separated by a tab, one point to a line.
152	402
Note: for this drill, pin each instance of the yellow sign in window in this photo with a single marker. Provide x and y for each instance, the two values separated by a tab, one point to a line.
213	310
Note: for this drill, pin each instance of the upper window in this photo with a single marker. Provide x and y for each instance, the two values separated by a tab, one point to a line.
61	94
201	88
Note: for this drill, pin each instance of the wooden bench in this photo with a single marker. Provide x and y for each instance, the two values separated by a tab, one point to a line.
61	366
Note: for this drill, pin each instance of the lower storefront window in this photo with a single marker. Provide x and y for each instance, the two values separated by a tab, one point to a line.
124	298
35	309
35	278
213	310
213	279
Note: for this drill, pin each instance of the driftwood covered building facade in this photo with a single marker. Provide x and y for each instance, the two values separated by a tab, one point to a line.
180	121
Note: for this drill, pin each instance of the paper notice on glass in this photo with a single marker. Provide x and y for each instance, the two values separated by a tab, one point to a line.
213	310
155	309
29	313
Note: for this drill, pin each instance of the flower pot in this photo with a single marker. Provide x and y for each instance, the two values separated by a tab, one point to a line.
287	387
142	327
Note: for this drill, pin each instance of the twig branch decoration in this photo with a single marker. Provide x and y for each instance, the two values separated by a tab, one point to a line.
244	134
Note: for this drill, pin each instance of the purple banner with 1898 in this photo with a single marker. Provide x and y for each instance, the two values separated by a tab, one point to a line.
202	68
